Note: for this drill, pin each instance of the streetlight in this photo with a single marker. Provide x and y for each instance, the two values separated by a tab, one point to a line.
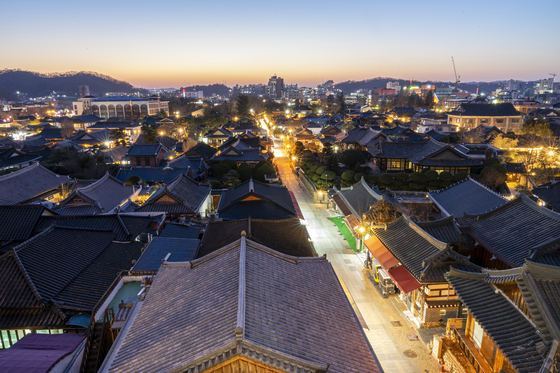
551	153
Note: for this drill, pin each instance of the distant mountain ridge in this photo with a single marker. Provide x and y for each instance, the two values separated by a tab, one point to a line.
381	82
36	84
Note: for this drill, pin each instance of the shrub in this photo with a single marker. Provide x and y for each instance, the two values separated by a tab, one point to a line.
416	186
386	179
245	172
313	168
373	179
320	170
328	175
352	156
232	165
416	177
460	175
221	169
402	177
358	176
215	184
348	175
446	176
431	175
265	169
315	177
230	174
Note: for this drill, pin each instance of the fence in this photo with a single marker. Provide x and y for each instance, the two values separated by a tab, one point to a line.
308	184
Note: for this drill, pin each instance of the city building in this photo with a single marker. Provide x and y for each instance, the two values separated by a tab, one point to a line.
394	85
121	107
275	87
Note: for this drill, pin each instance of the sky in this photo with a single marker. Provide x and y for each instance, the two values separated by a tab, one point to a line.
177	43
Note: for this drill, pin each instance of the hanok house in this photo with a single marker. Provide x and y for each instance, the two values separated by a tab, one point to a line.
353	202
360	138
466	196
183	199
515	171
149	155
58	274
11	158
416	157
217	136
504	116
416	262
236	298
31	184
150	175
508	234
240	153
201	150
257	200
287	236
548	195
306	136
105	195
512	319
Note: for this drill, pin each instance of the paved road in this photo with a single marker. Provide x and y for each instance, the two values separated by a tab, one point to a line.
389	342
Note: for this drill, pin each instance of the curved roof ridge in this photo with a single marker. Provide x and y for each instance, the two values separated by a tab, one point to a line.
485	187
434	241
96	183
536	268
370	189
500	273
176	159
449	186
289	258
436	222
473	275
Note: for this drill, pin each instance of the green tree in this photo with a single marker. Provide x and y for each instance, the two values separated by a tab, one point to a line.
150	134
245	172
265	169
537	127
243	103
162	113
221	169
352	156
332	163
118	136
493	175
340	103
429	100
231	163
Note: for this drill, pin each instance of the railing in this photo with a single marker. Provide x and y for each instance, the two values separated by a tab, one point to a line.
476	361
91	327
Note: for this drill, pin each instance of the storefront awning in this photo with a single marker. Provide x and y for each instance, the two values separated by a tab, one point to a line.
342	205
380	252
403	279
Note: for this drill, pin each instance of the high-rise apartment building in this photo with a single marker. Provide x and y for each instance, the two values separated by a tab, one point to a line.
275	87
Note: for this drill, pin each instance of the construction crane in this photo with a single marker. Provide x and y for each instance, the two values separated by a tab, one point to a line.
553	76
457	78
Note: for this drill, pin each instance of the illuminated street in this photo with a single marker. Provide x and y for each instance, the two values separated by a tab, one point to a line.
375	313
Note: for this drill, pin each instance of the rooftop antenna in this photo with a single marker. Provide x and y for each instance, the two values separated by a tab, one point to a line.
457	78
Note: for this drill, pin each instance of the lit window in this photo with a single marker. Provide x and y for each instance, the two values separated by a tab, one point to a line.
442	312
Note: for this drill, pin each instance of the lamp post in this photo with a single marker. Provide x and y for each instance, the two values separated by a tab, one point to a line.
361	230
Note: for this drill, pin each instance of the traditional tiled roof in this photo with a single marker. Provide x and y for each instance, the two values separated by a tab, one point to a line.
359	198
126	228
201	150
287	236
444	230
550	258
186	192
409	244
549	193
180	231
144	150
106	193
245	155
150	174
181	250
256	199
512	230
486	110
513	333
540	288
79	210
235	299
18	221
466	196
516	168
72	268
219	132
27	183
196	164
424	153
